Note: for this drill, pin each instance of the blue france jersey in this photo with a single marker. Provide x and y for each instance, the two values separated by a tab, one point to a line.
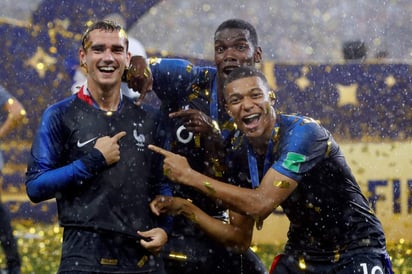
181	85
328	213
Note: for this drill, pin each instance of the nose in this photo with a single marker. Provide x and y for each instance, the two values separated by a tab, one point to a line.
229	54
108	55
247	103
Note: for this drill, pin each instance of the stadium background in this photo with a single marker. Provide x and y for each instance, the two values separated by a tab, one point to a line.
366	103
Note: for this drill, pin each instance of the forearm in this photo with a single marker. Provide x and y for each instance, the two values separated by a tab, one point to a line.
225	233
43	183
239	199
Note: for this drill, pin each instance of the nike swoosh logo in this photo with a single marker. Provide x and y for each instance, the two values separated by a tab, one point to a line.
82	144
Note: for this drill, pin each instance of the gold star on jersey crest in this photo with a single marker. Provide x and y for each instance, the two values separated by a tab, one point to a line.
41	62
347	95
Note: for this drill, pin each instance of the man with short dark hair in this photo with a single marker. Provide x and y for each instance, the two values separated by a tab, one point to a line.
295	163
90	154
192	97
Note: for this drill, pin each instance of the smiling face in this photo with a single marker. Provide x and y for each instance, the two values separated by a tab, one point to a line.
105	58
233	49
249	104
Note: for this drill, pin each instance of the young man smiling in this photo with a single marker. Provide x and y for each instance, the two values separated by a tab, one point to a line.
90	154
192	97
295	163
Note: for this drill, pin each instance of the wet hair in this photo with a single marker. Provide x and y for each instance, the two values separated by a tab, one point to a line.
105	25
239	24
245	72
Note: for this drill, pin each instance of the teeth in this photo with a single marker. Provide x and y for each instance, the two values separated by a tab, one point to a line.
108	69
250	118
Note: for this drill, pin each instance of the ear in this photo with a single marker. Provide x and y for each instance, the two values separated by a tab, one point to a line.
128	59
272	97
258	55
82	57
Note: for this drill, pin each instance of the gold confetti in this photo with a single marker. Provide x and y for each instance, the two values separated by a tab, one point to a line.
302	263
142	261
281	184
178	256
209	187
108	261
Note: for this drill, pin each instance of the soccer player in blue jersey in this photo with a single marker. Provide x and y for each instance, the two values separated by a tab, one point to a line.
199	126
295	163
90	154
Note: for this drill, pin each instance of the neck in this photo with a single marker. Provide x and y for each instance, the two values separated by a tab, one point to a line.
106	99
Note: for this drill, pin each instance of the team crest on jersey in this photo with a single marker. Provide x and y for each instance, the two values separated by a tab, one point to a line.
140	139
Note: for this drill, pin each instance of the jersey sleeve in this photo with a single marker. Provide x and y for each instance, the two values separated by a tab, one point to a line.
306	144
46	174
174	79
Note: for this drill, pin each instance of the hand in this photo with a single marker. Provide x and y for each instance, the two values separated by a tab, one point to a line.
139	77
156	238
195	121
109	147
167	205
175	166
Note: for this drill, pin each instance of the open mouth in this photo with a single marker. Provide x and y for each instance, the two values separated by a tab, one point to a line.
106	69
251	119
227	70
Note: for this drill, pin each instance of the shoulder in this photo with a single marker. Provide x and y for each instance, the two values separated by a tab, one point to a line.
302	134
302	127
60	107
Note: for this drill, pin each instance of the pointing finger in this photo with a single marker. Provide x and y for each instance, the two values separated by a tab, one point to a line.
160	150
181	113
119	135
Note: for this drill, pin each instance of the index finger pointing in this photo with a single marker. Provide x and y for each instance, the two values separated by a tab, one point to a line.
181	113
119	135
160	150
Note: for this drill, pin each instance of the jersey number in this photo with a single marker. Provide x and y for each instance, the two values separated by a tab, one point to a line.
375	270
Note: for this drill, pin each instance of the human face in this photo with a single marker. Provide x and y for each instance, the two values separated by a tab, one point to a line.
105	58
233	49
249	104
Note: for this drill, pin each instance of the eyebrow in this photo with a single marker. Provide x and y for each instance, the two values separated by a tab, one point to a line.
95	46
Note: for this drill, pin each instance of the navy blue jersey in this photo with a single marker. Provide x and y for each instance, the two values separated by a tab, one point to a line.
181	85
91	196
63	156
328	213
